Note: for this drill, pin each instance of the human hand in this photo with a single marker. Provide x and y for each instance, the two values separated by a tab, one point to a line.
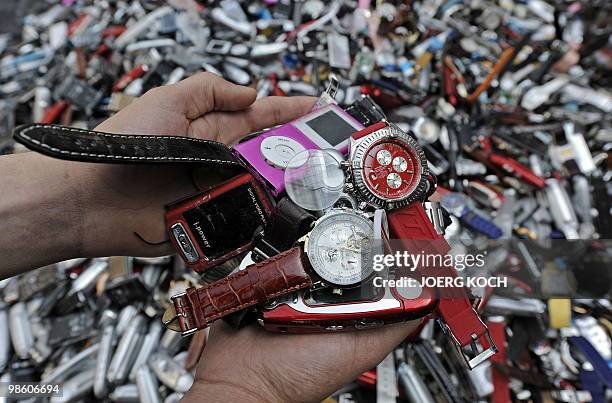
253	365
250	364
87	210
126	200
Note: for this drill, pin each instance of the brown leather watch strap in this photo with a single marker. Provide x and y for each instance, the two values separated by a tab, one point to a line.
258	283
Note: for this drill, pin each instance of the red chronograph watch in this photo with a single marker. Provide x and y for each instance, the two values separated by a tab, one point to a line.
389	170
388	167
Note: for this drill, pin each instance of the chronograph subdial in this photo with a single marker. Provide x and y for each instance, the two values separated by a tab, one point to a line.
383	157
330	255
400	164
394	181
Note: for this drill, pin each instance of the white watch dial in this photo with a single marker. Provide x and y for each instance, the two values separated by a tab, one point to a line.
400	164
383	157
279	150
339	248
394	181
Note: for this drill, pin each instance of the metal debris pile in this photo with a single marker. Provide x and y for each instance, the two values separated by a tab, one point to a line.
94	326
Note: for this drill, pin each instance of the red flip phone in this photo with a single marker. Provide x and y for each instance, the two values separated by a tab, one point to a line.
219	223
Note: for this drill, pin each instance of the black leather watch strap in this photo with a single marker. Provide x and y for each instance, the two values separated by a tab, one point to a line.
366	111
90	146
288	223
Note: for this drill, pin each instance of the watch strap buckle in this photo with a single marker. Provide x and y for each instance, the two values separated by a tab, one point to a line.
470	335
262	249
482	346
485	352
171	319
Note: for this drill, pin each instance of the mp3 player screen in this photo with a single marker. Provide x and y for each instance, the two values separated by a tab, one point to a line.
333	128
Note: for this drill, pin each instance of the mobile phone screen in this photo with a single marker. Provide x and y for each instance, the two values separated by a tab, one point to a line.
226	222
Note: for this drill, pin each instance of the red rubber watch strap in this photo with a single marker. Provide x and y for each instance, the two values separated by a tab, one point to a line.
370	129
258	283
411	225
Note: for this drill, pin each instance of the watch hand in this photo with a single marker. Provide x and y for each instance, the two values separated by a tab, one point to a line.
349	249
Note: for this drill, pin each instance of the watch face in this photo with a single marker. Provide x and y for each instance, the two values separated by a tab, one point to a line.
339	248
391	170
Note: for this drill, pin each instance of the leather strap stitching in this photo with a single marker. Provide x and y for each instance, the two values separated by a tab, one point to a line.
24	132
126	136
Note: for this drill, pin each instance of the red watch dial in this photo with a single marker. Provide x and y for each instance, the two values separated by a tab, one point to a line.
391	169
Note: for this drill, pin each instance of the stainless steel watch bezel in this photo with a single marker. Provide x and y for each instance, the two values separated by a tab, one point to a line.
357	159
331	214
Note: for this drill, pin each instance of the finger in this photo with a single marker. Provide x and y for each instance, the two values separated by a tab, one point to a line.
264	113
271	111
206	92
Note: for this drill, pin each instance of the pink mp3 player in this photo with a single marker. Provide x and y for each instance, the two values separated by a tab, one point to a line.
268	154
